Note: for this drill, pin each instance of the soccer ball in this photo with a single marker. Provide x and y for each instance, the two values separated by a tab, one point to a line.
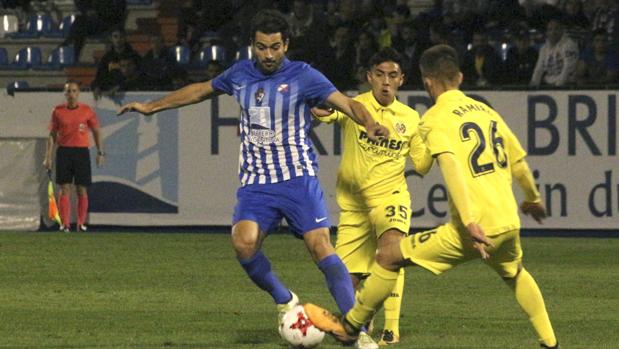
298	330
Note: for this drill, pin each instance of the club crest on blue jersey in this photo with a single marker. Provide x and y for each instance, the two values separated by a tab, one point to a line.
283	88
259	95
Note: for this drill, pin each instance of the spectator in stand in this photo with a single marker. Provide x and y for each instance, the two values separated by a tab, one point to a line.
557	58
160	67
108	70
539	11
502	14
439	34
131	76
95	18
410	46
465	16
342	51
481	65
365	47
347	15
521	59
189	35
597	64
307	33
378	27
574	16
606	16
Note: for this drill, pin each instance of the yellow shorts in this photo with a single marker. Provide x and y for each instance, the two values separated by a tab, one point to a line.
358	231
443	248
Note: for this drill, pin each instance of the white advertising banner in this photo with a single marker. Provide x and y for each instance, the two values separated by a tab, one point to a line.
179	167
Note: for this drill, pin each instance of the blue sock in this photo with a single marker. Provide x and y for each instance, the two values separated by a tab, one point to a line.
258	268
338	281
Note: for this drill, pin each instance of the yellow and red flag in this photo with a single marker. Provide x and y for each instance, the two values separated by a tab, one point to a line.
52	208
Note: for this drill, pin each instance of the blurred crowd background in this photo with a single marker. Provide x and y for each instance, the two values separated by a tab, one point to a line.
125	45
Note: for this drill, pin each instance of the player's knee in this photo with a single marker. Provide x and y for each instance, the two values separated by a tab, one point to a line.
318	243
387	259
65	189
245	242
508	278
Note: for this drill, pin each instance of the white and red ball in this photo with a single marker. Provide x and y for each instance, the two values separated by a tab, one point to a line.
299	331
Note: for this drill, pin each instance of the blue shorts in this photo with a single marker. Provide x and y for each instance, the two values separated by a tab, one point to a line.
300	200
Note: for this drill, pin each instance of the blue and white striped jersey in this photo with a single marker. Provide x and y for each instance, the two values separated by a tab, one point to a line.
275	118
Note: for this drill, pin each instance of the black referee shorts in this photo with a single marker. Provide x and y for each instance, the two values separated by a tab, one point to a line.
73	166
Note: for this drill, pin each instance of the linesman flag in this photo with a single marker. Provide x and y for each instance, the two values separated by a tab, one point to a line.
52	208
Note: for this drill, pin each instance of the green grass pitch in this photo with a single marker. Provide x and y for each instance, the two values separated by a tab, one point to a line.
186	290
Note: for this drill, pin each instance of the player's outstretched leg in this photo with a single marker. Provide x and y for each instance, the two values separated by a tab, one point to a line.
331	324
392	305
530	299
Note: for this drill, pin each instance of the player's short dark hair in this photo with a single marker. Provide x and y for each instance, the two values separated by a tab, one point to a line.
387	54
269	22
71	81
440	62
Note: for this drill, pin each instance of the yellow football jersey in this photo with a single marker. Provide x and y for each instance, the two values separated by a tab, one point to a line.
485	148
372	170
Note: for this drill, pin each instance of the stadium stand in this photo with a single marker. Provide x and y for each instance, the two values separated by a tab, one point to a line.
243	53
211	53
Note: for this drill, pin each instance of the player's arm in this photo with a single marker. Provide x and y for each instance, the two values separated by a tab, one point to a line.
458	190
96	135
420	154
326	114
190	94
532	203
536	78
357	112
49	149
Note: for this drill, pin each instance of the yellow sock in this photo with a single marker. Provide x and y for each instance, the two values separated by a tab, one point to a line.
530	299
373	293
393	305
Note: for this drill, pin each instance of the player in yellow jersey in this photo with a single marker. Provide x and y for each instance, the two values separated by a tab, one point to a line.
371	188
478	156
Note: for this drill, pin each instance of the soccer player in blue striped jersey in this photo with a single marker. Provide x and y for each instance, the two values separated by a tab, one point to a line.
278	168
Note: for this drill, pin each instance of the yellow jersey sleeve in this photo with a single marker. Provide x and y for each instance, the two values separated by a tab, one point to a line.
336	116
513	148
420	155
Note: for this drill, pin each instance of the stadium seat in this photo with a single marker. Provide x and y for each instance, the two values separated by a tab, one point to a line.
503	49
59	58
36	26
18	85
8	24
63	28
244	53
181	54
27	57
211	53
4	57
